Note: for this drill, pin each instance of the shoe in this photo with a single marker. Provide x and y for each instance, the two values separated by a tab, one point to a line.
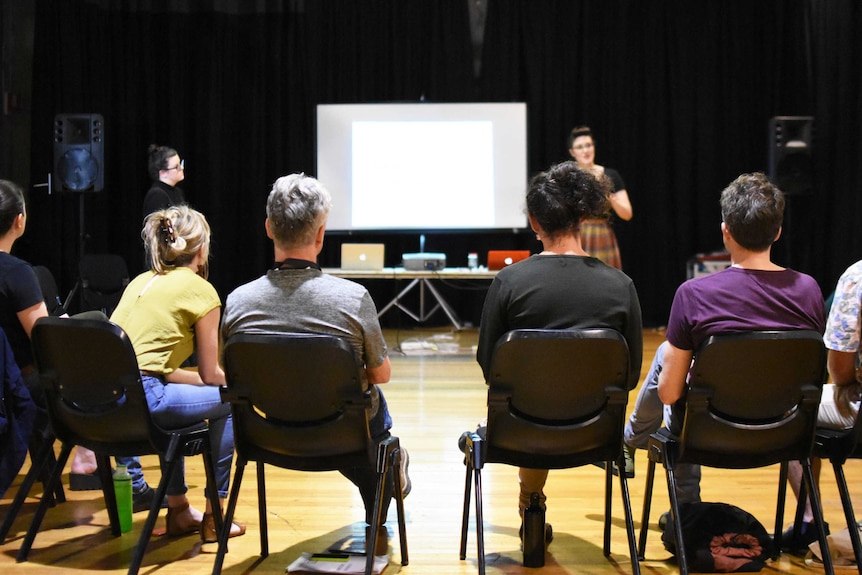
208	532
406	484
628	456
142	500
807	535
85	481
382	545
663	519
172	528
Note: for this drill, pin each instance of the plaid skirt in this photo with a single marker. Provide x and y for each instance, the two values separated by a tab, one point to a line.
598	240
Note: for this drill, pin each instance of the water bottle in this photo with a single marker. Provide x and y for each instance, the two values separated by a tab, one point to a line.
534	533
472	260
123	490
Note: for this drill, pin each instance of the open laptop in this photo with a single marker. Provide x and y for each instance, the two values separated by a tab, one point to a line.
362	257
498	259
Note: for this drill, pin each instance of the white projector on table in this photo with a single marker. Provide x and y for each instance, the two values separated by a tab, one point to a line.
424	261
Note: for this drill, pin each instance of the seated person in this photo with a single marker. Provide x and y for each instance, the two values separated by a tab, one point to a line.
170	312
575	291
839	403
753	294
296	296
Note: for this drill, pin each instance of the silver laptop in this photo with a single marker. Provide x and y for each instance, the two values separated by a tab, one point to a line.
362	257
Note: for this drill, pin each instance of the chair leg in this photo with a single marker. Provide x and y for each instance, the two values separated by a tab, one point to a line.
606	543
650	479
399	505
779	510
47	497
228	519
849	515
152	514
211	487
465	512
676	519
261	510
371	544
817	510
38	466
630	524
480	530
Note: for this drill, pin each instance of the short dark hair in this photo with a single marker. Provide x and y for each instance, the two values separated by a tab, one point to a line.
752	209
559	198
157	159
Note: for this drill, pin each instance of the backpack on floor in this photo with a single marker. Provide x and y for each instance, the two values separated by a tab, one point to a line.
720	538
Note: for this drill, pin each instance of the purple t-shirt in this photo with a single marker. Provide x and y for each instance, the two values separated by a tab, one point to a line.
740	300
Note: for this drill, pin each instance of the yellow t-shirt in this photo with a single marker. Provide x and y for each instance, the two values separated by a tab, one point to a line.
158	312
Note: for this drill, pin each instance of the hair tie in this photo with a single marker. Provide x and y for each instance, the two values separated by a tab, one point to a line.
166	229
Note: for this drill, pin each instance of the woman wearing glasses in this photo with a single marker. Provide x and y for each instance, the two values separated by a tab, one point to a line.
597	235
166	170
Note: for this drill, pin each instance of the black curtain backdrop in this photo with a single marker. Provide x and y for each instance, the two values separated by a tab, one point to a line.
678	93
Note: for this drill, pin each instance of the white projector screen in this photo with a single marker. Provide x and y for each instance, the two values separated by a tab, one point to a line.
423	167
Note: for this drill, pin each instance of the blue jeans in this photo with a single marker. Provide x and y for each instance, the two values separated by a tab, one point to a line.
174	405
648	415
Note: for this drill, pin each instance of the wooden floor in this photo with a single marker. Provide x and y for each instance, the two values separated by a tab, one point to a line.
433	398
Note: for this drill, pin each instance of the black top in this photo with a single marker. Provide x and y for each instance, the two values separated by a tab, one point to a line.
161	196
561	292
19	290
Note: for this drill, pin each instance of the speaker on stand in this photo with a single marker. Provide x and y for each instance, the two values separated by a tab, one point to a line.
79	164
791	144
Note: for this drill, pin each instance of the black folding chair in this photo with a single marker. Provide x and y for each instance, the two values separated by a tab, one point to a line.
556	400
96	400
297	403
751	401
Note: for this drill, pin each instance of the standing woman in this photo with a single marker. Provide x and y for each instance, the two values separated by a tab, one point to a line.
21	304
166	170
597	235
168	313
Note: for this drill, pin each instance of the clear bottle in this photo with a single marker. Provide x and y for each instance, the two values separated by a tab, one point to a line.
472	260
534	533
123	490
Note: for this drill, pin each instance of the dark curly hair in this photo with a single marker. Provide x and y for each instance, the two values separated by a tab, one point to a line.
559	198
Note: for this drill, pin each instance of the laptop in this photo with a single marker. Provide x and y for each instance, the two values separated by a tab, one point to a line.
498	259
362	257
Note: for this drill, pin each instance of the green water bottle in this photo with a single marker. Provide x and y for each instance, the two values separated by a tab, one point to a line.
123	490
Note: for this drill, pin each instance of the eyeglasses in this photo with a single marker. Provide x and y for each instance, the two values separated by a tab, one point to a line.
582	147
180	166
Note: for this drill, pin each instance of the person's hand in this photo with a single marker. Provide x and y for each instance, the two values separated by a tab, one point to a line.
845	395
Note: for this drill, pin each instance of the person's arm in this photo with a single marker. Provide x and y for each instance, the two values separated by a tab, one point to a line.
842	371
621	205
207	347
28	316
379	374
675	367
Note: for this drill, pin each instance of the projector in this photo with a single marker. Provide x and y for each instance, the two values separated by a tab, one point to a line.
424	261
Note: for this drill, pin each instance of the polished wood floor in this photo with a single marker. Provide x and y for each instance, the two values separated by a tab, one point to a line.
433	398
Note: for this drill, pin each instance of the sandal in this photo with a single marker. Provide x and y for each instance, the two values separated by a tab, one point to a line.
208	532
172	528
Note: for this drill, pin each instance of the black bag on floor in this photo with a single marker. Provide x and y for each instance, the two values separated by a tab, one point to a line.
720	538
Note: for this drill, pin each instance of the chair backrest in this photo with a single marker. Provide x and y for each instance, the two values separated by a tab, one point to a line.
93	387
557	398
297	400
103	279
753	398
50	292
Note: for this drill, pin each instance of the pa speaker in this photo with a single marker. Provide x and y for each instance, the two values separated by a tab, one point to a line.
790	153
79	153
